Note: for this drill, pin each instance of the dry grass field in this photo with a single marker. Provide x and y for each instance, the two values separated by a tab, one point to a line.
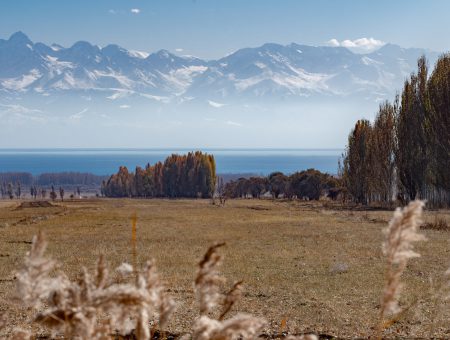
317	266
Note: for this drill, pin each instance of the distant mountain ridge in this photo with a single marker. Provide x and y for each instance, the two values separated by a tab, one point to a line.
291	72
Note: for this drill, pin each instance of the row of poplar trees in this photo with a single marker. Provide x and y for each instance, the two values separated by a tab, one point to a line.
405	153
191	175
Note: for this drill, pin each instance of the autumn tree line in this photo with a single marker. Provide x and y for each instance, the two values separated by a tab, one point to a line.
192	175
310	184
20	184
47	179
405	153
17	191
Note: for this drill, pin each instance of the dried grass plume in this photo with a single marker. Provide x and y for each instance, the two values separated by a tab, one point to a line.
207	282
398	247
78	309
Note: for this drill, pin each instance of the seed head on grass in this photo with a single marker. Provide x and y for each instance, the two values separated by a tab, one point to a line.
242	326
124	270
231	298
101	275
398	247
402	232
207	286
164	303
34	282
208	279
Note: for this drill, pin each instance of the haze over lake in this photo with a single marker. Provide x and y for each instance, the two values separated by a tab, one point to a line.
107	161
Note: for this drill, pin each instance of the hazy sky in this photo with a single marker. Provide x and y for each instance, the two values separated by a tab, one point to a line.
207	29
213	28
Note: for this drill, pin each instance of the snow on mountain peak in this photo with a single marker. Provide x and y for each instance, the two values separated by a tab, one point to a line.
138	54
269	70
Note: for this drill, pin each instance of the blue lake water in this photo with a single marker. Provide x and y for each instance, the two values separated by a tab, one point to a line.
107	161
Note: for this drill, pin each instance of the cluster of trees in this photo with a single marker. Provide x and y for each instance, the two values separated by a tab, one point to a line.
309	184
191	175
405	153
16	184
48	179
24	178
70	178
11	191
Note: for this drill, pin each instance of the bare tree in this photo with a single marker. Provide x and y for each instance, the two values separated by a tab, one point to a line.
53	194
18	190
221	192
4	189
10	191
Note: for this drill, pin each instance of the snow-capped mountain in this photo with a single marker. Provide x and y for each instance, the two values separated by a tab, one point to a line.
272	95
271	71
25	67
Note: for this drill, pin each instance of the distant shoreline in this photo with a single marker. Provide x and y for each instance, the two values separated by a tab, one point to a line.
166	149
107	161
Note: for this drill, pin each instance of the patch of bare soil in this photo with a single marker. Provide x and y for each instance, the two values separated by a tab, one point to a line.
34	204
24	242
335	205
256	207
438	224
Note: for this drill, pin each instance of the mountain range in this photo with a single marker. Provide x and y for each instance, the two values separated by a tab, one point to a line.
270	71
268	96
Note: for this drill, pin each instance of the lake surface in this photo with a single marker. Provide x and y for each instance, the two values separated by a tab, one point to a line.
107	161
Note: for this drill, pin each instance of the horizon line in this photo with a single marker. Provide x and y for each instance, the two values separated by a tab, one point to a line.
186	149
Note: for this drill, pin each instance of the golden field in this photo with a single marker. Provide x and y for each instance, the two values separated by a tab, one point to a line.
315	265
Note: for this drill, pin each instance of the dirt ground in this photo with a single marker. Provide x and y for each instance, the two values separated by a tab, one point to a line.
316	265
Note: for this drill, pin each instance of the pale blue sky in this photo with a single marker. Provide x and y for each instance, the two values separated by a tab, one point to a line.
213	28
209	29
